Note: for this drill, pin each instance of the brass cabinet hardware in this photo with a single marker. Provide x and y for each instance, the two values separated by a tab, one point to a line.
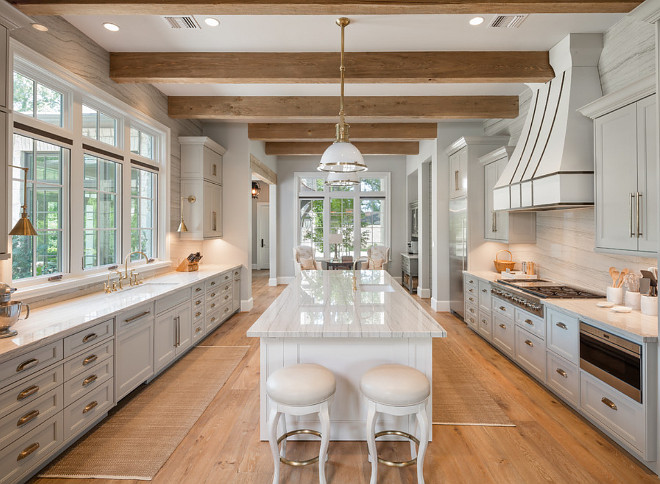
471	281
178	330
27	392
136	317
90	406
529	343
502	308
226	309
484	290
198	329
213	283
530	322
456	181
472	320
638	196
503	326
213	319
472	310
28	417
561	325
197	303
215	220
227	297
198	314
227	287
90	337
235	273
494	223
90	359
609	403
630	208
212	294
562	372
27	451
470	290
26	365
471	299
198	289
89	380
212	305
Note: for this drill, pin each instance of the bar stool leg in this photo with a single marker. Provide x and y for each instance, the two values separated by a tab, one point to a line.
273	420
423	423
413	449
324	416
371	441
284	431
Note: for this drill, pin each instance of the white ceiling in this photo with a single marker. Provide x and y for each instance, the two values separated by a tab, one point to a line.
266	33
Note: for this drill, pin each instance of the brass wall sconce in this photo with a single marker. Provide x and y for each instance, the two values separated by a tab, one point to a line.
23	226
182	225
256	190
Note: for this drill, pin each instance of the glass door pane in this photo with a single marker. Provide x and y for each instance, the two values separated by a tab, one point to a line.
311	225
342	217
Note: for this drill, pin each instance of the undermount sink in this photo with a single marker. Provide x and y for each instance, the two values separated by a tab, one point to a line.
150	284
375	288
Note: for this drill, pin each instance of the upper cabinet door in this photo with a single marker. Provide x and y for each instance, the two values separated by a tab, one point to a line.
458	174
212	166
647	177
616	178
491	218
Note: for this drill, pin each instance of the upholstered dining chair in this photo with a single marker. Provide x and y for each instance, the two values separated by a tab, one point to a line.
304	260
378	257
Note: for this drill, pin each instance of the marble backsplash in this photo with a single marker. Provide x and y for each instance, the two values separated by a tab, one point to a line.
564	251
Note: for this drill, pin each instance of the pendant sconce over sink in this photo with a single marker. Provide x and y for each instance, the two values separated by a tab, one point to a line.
342	156
182	224
23	226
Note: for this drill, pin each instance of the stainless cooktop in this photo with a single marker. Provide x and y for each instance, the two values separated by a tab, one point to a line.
549	290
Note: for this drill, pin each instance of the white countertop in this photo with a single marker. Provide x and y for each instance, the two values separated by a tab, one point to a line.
55	321
633	325
322	304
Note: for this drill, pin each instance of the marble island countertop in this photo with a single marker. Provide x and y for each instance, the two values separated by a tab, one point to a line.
322	304
58	320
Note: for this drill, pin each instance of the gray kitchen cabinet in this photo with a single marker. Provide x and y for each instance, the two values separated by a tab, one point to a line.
134	349
626	178
172	335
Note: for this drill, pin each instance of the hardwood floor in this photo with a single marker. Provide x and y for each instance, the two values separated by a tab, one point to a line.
550	443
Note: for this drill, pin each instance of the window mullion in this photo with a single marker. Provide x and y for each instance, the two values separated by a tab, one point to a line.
76	197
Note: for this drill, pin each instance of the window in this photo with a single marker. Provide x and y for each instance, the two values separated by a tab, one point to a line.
143	211
325	211
37	101
100	196
47	174
99	126
142	143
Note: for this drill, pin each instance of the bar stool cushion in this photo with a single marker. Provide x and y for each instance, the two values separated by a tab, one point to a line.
301	385
395	385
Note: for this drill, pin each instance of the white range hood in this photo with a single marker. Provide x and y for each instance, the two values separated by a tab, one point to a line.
552	166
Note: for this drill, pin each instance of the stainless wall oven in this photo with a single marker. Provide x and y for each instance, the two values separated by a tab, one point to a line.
612	359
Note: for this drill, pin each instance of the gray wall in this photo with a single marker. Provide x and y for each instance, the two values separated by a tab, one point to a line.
288	165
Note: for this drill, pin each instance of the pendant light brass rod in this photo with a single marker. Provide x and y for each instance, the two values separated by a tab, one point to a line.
342	22
25	180
23	226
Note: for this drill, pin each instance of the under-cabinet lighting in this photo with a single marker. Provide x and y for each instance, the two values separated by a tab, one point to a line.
111	27
476	21
211	22
40	28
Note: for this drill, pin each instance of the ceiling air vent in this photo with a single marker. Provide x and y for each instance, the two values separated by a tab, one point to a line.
507	21
181	22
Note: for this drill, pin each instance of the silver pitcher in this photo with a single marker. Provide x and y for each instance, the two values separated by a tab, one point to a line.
10	311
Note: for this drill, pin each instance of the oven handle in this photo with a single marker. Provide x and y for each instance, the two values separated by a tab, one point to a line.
636	354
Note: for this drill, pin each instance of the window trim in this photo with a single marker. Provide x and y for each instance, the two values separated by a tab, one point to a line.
357	195
79	91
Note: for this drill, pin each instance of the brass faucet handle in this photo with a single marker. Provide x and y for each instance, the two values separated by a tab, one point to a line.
133	278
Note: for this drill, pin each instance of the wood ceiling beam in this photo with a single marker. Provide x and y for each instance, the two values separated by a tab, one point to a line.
326	131
325	108
366	148
323	67
318	7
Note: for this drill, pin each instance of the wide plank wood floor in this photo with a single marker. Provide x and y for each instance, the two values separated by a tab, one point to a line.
550	443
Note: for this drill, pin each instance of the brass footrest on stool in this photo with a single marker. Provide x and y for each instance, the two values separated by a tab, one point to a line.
398	433
299	463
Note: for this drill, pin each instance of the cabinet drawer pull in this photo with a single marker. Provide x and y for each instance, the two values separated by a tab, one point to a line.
27	392
561	325
212	305
472	310
227	287
198	314
90	337
212	294
609	403
562	372
213	319
226	277
227	297
471	299
471	281
27	451
484	290
89	380
136	317
530	322
470	290
198	289
90	359
213	283
90	406
503	326
28	417
235	273
198	329
226	309
472	320
502	308
26	365
529	343
197	303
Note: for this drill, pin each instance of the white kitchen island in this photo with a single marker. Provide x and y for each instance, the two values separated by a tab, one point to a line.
319	318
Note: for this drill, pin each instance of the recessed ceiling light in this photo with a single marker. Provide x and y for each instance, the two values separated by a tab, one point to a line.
40	28
211	22
476	21
111	27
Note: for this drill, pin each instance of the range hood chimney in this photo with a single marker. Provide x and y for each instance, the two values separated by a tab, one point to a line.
552	166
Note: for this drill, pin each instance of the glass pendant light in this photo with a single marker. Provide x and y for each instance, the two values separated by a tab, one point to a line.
342	156
23	226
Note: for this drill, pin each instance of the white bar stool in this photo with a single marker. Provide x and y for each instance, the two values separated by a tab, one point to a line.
397	390
299	390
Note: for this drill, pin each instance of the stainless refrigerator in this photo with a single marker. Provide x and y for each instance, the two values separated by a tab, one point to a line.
457	253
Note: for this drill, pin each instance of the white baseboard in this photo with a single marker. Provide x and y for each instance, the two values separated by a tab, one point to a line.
423	293
247	305
439	306
255	267
272	281
285	280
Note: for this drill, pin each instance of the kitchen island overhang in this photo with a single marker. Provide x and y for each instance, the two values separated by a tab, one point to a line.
320	318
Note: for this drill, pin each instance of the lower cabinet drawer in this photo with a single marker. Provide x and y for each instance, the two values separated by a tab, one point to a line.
225	297
531	323
89	337
85	382
28	390
563	378
503	334
503	308
29	363
617	412
213	304
23	456
485	325
225	311
471	310
530	353
26	418
198	329
85	411
81	363
472	299
472	320
212	320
